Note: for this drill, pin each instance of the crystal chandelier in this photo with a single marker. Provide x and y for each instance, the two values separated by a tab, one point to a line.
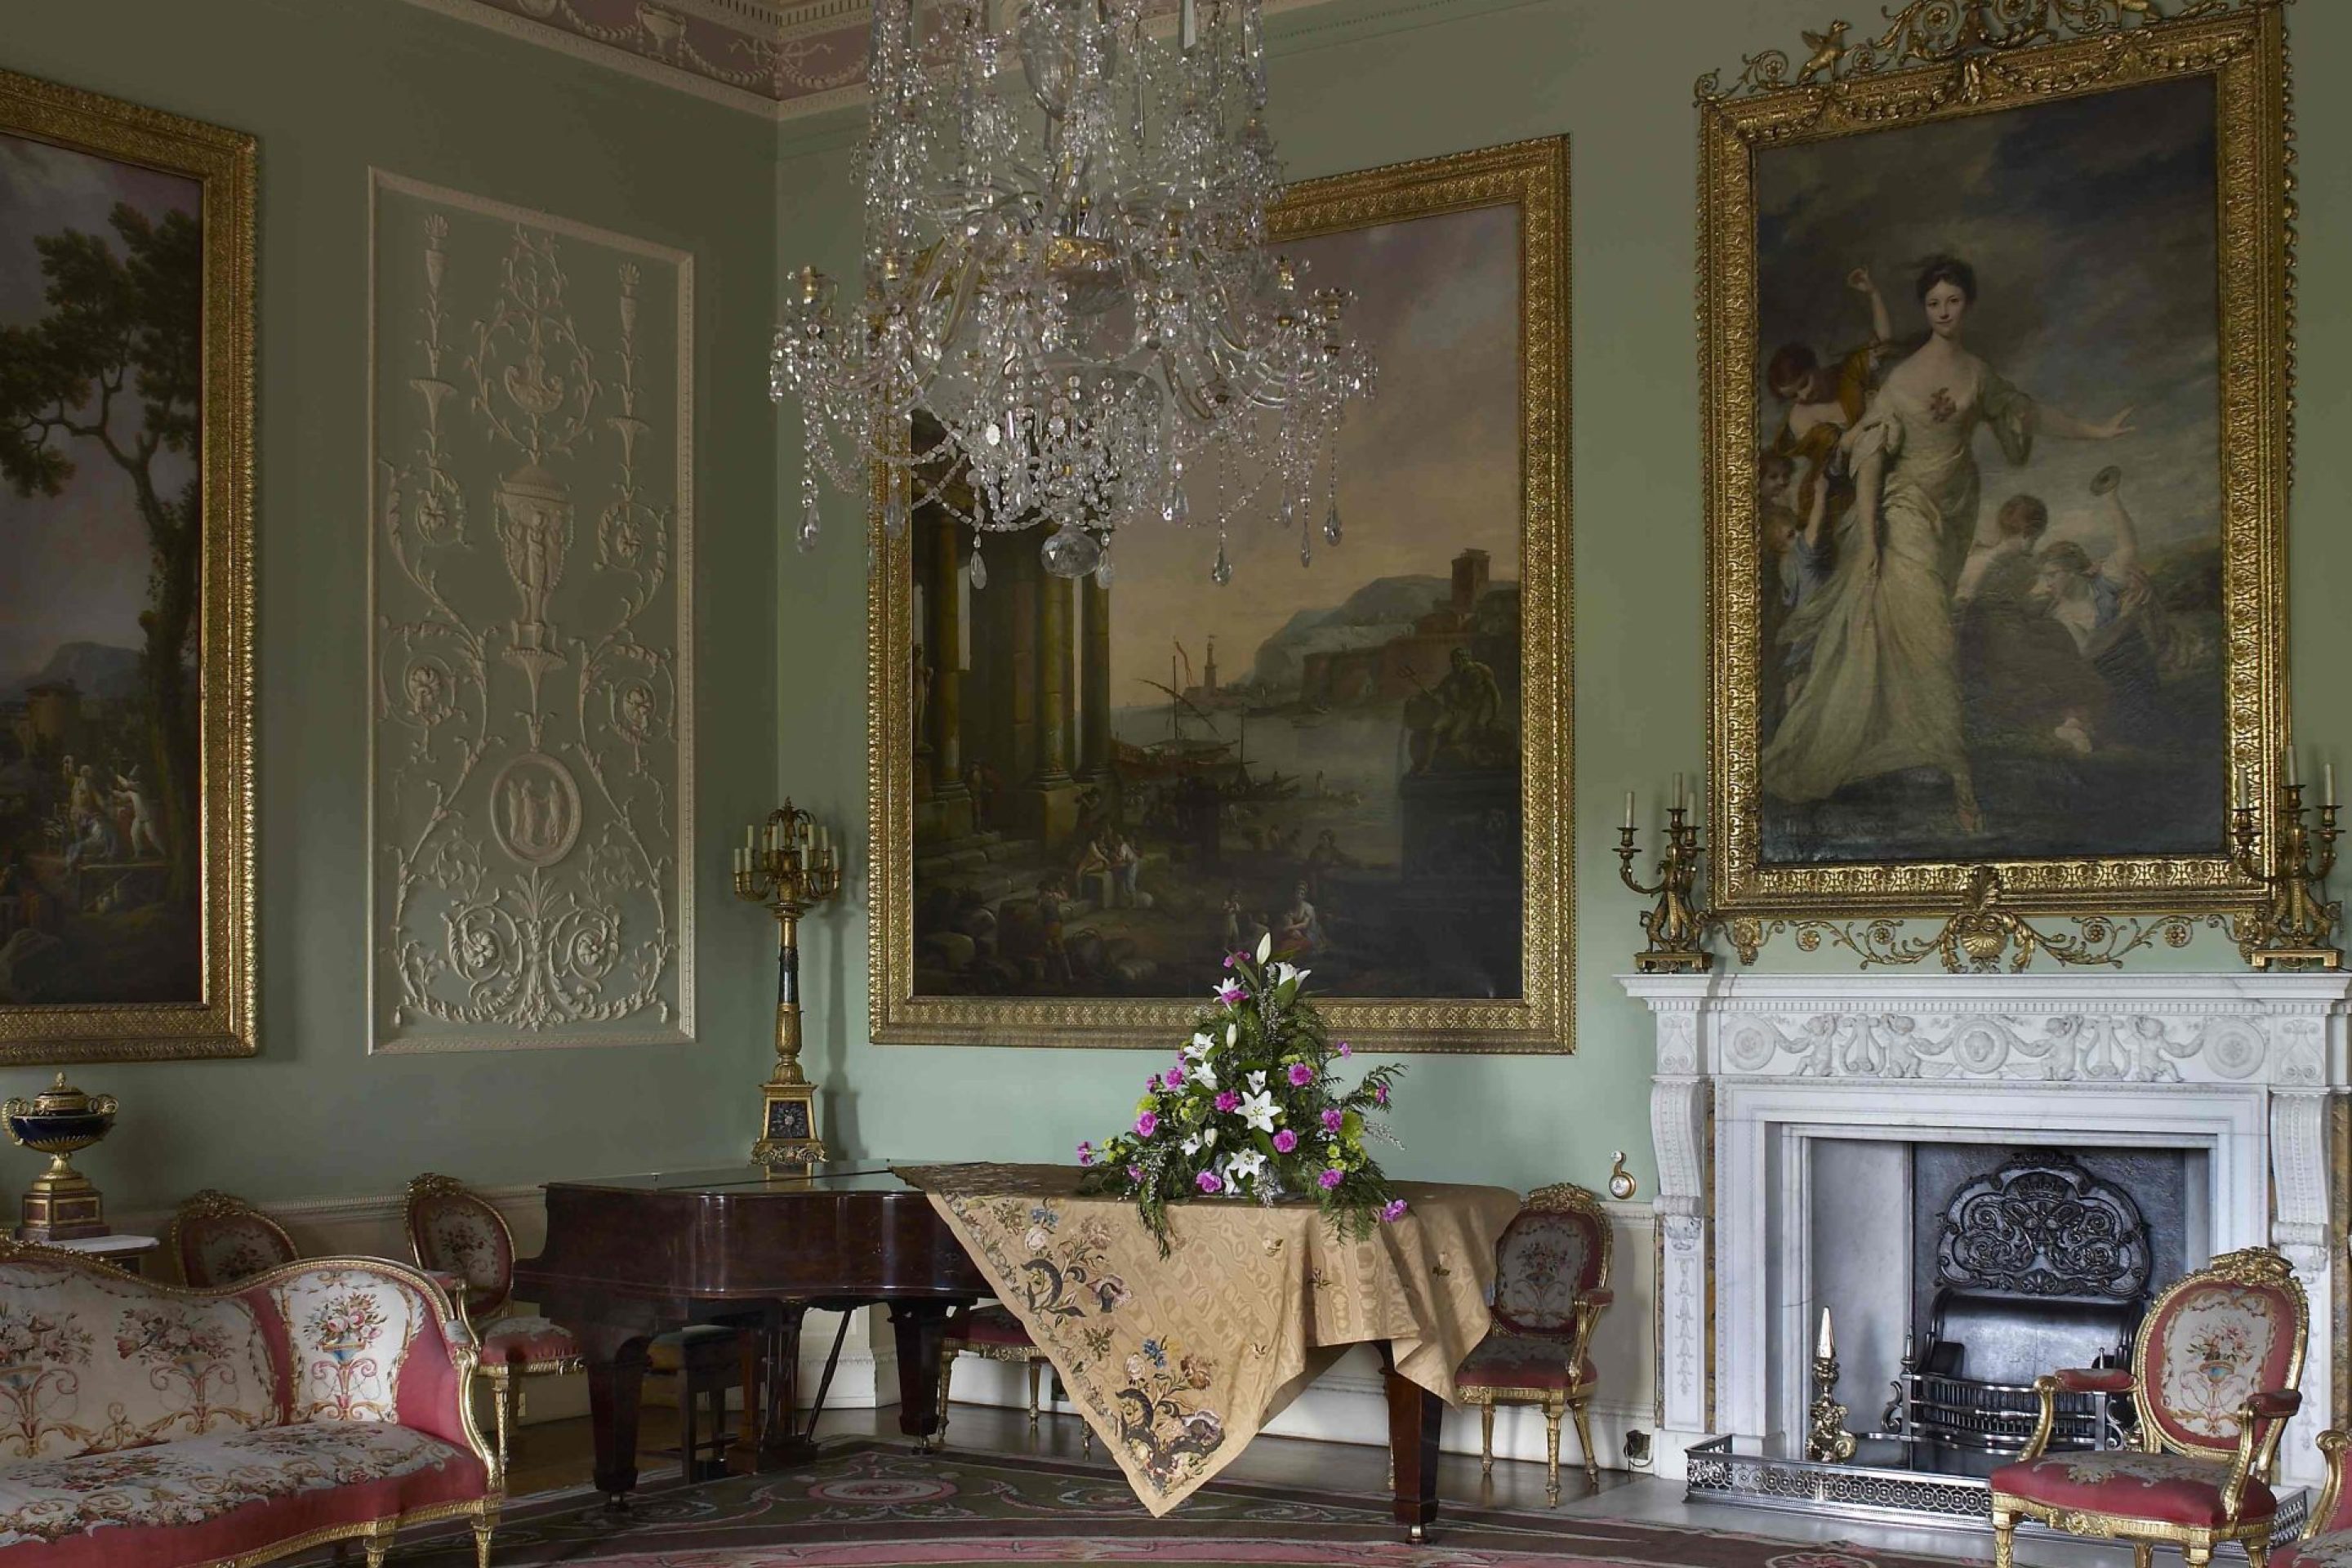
1069	317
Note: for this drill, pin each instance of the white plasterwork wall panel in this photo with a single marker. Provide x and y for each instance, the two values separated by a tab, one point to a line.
531	694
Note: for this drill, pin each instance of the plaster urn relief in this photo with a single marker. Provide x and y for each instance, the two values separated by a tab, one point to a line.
531	685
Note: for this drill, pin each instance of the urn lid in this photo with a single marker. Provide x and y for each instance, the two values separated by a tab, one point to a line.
61	1098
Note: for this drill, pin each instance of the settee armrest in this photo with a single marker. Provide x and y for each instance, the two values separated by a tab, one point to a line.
2335	1509
2096	1380
372	1340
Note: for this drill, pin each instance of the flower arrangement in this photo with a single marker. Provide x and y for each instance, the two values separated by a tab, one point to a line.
1252	1108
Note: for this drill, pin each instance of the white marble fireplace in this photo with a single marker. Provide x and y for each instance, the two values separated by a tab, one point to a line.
1758	1073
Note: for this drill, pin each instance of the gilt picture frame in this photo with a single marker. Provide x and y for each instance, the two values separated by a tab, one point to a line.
1323	793
127	883
2038	626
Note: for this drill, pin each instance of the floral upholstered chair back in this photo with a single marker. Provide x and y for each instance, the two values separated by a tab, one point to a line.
2211	1341
1557	1246
220	1239
93	1360
452	1229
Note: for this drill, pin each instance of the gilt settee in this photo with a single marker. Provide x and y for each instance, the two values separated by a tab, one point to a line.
145	1425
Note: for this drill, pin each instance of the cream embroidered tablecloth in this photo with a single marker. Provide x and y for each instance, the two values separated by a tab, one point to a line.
1177	1362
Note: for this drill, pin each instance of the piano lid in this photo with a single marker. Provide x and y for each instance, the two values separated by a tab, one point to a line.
749	1180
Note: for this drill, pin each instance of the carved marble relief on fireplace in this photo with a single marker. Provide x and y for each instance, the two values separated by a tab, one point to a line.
530	672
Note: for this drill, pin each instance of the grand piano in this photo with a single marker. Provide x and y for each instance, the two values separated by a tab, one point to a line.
628	1258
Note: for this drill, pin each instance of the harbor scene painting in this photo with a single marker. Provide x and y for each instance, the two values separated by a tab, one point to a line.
1115	787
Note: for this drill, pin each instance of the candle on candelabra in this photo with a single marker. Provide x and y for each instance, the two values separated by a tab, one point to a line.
1629	811
1826	1348
2291	780
2328	783
1678	792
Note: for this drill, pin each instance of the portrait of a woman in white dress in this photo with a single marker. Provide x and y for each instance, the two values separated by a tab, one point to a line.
1880	693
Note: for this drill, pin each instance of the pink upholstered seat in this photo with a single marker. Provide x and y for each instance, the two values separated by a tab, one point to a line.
993	1326
1506	1359
2213	1378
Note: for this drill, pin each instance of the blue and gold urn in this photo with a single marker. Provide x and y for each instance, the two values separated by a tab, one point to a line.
60	1122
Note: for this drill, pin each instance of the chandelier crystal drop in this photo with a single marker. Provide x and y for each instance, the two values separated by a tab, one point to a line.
1069	314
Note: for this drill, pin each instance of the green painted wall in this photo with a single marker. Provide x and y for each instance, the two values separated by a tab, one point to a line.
331	87
1358	85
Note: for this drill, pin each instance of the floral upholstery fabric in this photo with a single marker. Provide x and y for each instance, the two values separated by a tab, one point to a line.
2332	1549
221	1251
1506	1359
2169	1488
996	1327
350	1332
526	1342
1544	1259
89	1363
462	1235
254	1487
2216	1345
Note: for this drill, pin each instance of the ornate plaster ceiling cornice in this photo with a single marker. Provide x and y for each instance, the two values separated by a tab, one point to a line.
779	58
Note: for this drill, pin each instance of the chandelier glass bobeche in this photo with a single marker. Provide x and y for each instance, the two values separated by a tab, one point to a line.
1069	317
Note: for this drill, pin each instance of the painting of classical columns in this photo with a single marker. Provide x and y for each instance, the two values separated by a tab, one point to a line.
531	679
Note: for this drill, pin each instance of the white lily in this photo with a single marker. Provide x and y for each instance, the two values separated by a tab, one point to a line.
1248	1165
1232	1034
1209	1138
1257	1083
1205	1074
1266	947
1201	1045
1258	1111
1191	1145
1283	973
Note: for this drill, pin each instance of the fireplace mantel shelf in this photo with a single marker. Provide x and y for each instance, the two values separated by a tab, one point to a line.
2245	1066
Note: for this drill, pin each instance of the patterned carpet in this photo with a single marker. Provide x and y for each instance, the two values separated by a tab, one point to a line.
872	1505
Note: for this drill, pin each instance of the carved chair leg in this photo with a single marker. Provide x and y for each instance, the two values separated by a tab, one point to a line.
2004	1539
1486	1439
2143	1555
378	1543
2197	1554
1553	1410
484	1528
499	1413
1035	1367
2258	1553
1584	1437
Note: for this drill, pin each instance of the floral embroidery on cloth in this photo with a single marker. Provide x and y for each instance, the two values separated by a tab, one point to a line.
230	1250
2130	1465
2331	1551
1177	1362
1539	1268
2215	1347
460	1240
190	1481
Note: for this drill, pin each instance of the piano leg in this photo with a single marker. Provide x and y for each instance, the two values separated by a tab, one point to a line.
1414	1417
616	1377
919	1326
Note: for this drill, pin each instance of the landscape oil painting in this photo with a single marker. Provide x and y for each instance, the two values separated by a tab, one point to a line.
123	883
1115	787
1980	573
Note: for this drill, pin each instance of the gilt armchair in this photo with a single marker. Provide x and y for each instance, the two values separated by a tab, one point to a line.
218	1240
2213	1377
1552	1283
2328	1543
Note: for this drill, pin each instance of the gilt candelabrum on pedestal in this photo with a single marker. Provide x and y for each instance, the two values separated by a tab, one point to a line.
2295	925
790	865
1675	923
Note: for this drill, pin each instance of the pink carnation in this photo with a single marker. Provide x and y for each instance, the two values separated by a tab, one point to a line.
1228	1101
1285	1142
1176	1075
1085	1153
1393	1210
1381	1092
1331	1177
1301	1075
1207	1182
1345	1049
1146	1125
1135	1174
1331	1119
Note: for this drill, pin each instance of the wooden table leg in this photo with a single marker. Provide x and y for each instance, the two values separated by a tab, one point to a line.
1415	1415
615	1362
921	1330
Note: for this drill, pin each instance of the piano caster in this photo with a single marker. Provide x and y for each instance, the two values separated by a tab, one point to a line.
616	1502
1417	1534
